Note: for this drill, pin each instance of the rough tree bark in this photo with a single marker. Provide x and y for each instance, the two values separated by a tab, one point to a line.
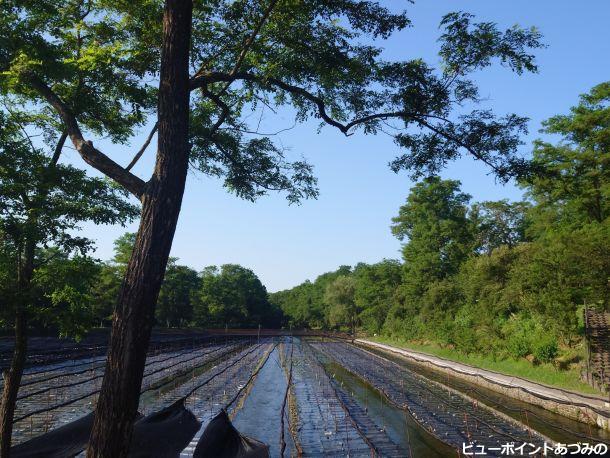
12	380
161	201
12	377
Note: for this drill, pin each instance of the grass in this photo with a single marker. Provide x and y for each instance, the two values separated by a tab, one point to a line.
547	374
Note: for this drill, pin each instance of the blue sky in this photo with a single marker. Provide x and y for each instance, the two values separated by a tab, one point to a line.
359	194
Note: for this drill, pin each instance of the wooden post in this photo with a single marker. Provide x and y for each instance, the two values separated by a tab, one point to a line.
589	378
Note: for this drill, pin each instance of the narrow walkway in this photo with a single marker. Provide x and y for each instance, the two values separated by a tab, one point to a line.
536	389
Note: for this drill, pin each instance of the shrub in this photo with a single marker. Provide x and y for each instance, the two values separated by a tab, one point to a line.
546	350
518	346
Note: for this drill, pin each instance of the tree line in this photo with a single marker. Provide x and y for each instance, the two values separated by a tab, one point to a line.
229	295
494	277
73	293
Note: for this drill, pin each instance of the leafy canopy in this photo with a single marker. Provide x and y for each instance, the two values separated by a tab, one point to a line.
42	203
436	228
92	68
45	202
577	185
339	295
233	296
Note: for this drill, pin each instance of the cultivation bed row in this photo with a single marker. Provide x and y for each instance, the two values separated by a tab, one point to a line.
48	350
227	388
54	402
373	434
451	417
200	387
156	366
218	385
312	415
324	428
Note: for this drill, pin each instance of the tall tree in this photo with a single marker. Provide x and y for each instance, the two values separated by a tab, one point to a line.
62	290
571	218
499	223
111	275
302	305
339	295
375	292
434	223
305	305
41	204
233	296
309	55
178	295
576	187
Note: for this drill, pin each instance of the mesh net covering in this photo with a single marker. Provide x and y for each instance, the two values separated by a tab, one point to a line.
162	434
65	441
221	440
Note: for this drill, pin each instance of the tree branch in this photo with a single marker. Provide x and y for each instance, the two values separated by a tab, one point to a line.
247	45
212	77
249	41
21	126
58	148
460	143
139	154
219	103
216	98
202	80
231	159
90	155
256	132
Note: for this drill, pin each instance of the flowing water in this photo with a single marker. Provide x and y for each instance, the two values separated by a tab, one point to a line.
397	423
555	426
259	417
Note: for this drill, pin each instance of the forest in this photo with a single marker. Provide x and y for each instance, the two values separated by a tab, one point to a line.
74	294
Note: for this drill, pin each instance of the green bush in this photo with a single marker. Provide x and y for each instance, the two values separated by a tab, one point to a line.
466	341
546	350
518	346
444	332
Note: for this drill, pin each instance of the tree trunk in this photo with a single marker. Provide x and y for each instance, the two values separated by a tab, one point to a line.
25	272
12	380
132	322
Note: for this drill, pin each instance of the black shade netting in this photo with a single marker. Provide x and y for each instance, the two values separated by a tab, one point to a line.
221	440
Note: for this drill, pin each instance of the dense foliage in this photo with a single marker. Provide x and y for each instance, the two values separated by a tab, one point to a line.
510	278
229	295
46	271
90	70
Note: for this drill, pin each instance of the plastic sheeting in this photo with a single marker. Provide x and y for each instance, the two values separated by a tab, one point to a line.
63	442
164	434
221	440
